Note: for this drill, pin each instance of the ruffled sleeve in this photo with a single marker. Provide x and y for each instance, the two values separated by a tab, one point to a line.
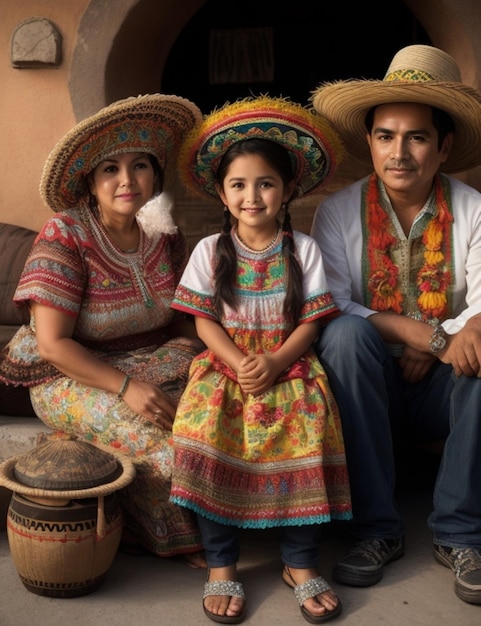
55	273
194	294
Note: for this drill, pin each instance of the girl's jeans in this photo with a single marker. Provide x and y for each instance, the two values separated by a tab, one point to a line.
299	545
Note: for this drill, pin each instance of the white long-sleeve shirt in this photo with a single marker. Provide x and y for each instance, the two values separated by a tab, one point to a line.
338	230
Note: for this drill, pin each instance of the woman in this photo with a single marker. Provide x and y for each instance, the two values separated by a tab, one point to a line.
104	355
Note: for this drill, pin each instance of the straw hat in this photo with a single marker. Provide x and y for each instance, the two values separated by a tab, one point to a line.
420	74
314	146
153	123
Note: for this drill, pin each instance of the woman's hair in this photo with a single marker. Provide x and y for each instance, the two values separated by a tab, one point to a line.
159	183
225	271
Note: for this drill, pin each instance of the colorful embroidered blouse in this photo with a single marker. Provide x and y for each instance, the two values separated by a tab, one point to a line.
121	301
259	323
74	268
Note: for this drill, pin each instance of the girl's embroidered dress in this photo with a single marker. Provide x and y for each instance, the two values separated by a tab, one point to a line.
272	460
123	306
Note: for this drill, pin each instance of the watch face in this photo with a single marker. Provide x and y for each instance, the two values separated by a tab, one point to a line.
439	343
437	340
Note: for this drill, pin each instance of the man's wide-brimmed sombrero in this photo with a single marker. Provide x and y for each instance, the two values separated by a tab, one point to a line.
153	123
315	147
419	74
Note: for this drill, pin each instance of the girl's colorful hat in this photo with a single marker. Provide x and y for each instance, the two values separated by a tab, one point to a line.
419	74
155	124
314	146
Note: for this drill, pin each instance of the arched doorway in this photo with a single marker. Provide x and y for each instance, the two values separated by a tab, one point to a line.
146	46
149	46
292	50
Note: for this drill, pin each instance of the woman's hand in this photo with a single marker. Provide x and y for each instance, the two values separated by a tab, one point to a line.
54	337
150	402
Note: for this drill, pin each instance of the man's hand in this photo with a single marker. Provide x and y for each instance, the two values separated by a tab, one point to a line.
415	364
463	349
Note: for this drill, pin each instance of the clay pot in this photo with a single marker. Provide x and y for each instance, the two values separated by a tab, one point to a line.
64	521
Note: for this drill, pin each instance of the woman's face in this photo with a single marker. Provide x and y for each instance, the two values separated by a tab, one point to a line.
123	183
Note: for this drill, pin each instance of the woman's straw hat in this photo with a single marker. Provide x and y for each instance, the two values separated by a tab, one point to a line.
314	146
419	74
153	123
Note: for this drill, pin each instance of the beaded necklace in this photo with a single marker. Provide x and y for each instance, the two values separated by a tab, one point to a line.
270	246
434	277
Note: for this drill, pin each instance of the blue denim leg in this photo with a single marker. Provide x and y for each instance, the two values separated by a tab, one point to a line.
427	407
368	386
456	519
365	383
299	546
221	542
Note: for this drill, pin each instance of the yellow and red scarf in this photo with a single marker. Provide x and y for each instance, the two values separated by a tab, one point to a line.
381	274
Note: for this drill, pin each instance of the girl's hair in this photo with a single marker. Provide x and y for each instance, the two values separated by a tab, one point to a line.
225	271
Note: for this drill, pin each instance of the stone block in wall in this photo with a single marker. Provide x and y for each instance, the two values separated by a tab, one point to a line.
36	43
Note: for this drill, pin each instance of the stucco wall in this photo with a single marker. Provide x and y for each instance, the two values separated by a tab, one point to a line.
39	105
35	108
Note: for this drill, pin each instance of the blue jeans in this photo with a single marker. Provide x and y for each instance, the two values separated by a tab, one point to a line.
299	545
375	404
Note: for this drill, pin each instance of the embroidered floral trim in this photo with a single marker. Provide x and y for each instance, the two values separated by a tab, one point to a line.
433	278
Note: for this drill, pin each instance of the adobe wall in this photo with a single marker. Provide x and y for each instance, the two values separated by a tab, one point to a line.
39	105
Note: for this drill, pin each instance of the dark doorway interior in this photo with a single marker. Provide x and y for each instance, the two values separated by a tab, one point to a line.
283	50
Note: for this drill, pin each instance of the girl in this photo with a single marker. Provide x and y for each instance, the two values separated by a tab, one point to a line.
257	437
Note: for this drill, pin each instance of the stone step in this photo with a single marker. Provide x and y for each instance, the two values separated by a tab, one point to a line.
17	436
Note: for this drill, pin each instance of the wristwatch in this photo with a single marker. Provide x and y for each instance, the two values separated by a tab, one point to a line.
437	341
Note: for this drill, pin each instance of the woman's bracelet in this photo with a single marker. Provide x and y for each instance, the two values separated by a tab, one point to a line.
123	388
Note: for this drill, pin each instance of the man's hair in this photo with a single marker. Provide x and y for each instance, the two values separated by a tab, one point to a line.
442	122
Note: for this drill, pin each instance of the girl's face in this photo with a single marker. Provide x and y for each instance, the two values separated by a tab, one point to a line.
254	193
123	183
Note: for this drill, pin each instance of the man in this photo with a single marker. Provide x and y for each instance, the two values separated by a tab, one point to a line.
402	252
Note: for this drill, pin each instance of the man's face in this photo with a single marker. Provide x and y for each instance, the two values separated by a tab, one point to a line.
404	146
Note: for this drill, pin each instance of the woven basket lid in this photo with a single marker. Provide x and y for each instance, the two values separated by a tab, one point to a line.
66	464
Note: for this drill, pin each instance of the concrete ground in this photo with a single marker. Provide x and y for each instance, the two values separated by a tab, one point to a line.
415	591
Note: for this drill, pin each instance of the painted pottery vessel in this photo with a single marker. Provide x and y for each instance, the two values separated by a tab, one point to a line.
64	521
